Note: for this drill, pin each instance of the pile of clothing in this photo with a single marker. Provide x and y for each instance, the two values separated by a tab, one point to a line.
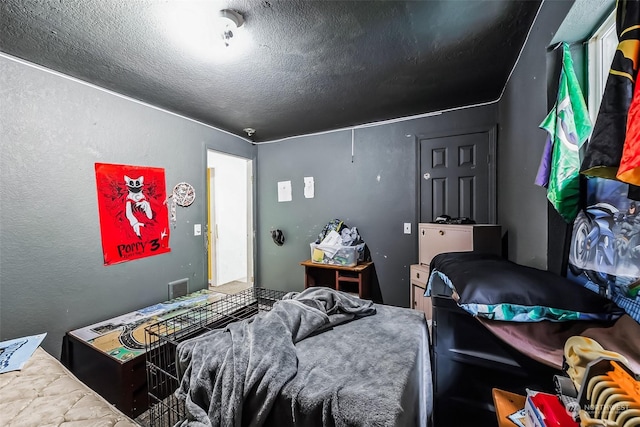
338	244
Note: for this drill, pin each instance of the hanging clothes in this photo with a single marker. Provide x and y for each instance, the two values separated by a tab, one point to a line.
604	151
568	127
629	170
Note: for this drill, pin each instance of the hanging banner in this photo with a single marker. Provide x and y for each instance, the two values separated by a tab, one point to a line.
568	127
134	221
605	245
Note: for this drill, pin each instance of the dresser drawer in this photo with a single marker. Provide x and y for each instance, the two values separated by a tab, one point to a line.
434	239
419	278
419	301
419	274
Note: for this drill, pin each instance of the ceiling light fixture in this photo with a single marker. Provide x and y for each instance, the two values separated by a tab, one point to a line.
230	21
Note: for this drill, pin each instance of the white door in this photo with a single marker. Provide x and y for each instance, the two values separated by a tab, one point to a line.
230	220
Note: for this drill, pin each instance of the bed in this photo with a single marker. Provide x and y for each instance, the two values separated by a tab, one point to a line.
318	358
502	325
45	393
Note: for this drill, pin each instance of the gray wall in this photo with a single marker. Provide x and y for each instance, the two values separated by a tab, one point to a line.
522	206
53	130
377	193
352	192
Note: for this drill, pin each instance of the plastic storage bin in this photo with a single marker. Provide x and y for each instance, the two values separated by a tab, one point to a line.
345	256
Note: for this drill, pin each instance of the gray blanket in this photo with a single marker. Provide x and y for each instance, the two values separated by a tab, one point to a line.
374	372
232	376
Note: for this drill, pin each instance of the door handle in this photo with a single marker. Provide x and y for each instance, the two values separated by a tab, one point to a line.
427	176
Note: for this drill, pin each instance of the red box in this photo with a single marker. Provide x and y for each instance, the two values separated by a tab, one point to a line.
546	410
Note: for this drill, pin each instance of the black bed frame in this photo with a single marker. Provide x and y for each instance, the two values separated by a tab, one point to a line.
469	360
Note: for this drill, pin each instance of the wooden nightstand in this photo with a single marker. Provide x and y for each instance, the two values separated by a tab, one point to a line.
356	279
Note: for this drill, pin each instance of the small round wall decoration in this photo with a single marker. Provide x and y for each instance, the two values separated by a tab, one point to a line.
183	194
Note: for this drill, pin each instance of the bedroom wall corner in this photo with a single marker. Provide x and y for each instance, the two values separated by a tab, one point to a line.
54	129
377	193
522	206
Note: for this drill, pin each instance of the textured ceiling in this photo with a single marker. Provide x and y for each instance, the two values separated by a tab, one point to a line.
295	67
584	17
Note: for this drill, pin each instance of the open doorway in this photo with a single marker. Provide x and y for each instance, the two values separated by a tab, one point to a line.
230	221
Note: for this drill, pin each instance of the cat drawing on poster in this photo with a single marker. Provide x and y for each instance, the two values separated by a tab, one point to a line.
134	220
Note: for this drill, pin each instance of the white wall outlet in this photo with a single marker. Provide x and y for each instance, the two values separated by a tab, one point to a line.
407	228
197	229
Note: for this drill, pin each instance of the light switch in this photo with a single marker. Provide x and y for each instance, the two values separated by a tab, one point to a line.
407	228
197	229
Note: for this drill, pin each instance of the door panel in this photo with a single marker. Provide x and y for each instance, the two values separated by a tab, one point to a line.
438	197
467	196
458	177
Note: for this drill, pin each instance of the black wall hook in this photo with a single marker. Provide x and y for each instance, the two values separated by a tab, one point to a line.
278	237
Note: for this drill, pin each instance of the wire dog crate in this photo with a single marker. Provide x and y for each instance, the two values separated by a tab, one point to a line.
162	338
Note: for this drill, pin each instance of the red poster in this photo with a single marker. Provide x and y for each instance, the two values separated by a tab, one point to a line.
134	220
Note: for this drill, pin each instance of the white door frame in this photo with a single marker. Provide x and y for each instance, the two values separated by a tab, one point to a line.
213	231
212	252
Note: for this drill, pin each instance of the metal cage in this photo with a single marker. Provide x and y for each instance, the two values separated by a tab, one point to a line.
162	338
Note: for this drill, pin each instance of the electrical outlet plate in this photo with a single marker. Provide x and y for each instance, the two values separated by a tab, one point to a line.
197	229
407	228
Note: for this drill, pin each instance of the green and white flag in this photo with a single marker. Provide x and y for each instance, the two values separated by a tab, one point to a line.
569	126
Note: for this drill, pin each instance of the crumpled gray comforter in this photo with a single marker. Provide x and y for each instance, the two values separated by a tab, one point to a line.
232	376
361	364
